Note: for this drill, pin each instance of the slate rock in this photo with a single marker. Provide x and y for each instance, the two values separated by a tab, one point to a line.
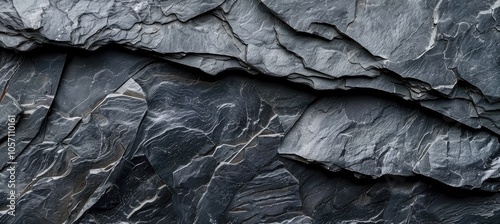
341	197
78	168
375	137
429	48
151	111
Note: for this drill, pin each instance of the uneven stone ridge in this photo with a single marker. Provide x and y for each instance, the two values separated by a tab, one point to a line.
248	111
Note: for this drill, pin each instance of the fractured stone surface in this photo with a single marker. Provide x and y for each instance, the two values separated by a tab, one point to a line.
402	141
434	47
251	111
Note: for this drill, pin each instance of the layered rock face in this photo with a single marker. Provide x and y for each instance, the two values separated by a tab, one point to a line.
248	111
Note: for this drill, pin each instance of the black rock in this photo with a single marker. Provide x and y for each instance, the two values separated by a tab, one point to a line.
149	111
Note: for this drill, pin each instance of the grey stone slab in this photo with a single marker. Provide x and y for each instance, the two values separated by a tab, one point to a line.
107	72
393	115
137	195
433	42
77	177
375	137
183	120
324	18
341	197
32	85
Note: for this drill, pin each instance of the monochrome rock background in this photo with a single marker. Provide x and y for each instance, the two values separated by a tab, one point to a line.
248	111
